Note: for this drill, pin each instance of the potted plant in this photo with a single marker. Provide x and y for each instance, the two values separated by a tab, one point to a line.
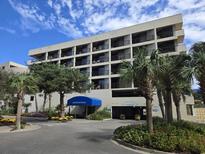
122	116
137	117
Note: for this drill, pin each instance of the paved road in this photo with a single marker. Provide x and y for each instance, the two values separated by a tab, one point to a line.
75	137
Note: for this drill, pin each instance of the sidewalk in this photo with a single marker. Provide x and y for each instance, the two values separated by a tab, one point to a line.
9	129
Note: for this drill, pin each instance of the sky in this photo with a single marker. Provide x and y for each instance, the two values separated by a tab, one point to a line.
29	24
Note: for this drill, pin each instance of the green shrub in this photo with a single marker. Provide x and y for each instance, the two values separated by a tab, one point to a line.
179	136
100	115
9	111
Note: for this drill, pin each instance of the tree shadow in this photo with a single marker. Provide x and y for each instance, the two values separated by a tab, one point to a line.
96	136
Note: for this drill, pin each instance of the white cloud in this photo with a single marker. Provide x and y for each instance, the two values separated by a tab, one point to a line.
7	30
50	3
75	18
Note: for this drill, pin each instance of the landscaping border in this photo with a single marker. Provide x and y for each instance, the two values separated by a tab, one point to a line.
143	149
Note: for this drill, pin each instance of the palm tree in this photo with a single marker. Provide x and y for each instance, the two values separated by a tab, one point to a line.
163	71
175	81
181	81
22	83
141	72
198	65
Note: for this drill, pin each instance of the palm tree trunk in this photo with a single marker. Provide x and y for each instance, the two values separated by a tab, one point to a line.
49	101
177	99
44	101
149	99
159	95
36	102
169	106
149	115
178	111
19	108
62	111
165	106
202	88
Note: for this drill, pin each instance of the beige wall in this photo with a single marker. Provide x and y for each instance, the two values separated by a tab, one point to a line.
108	101
14	67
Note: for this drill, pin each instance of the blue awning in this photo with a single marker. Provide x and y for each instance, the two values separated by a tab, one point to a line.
84	101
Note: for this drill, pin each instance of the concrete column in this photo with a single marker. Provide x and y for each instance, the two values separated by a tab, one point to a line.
155	38
109	67
90	67
74	54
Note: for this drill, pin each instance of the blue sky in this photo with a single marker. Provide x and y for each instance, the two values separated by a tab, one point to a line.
28	24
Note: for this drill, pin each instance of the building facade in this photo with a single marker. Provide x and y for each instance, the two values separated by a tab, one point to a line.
100	57
12	67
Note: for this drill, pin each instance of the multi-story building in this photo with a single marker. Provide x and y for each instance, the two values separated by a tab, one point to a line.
100	57
12	67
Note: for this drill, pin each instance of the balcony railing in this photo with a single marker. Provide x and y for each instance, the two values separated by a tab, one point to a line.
78	63
83	50
120	43
65	54
100	72
100	60
53	56
120	57
100	47
68	64
100	86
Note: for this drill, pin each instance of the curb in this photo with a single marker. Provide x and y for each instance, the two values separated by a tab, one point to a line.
34	127
138	148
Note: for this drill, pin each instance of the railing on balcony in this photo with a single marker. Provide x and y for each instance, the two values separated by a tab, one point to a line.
100	72
100	84
120	43
100	59
100	47
82	61
68	63
53	56
120	57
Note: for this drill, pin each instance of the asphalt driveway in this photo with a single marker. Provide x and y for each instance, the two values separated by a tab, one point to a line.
75	137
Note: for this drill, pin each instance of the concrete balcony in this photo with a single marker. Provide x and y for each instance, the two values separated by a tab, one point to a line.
179	33
181	47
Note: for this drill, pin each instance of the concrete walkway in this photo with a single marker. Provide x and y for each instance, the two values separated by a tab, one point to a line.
75	137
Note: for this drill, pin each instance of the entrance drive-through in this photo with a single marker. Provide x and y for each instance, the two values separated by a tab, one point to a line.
128	111
88	103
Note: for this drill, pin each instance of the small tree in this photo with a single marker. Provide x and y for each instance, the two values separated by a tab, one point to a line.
22	83
67	81
6	92
45	73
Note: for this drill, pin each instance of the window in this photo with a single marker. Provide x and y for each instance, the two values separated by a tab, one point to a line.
32	98
189	109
